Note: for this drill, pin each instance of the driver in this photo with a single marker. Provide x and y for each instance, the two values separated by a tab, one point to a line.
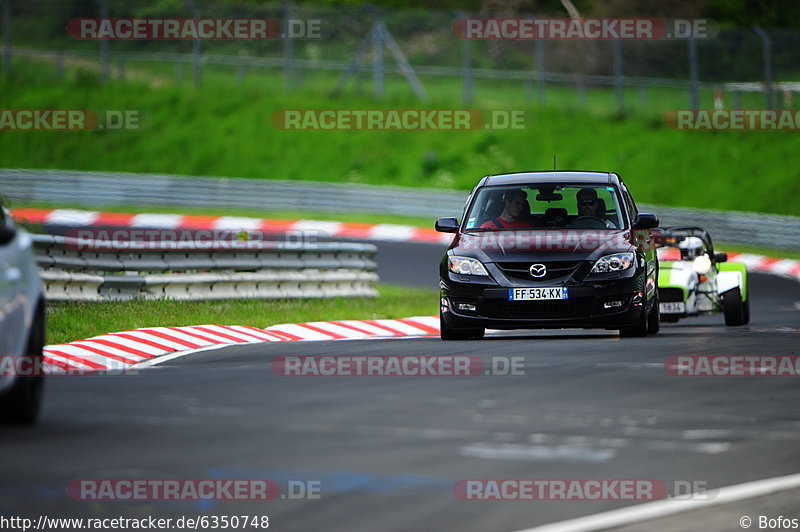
588	206
691	248
515	211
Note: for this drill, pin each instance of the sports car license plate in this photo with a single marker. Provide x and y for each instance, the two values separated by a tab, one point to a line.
537	294
672	308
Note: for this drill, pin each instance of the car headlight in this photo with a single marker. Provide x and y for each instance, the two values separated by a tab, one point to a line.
701	264
614	263
466	266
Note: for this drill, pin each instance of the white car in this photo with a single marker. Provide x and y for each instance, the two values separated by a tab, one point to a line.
22	325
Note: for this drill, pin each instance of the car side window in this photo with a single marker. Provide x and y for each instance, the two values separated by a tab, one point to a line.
631	206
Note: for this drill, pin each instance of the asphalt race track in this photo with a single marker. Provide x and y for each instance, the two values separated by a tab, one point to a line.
387	451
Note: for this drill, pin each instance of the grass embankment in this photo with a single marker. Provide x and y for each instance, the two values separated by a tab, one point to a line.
225	129
76	320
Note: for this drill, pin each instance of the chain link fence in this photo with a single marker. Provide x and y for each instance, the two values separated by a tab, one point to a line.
734	67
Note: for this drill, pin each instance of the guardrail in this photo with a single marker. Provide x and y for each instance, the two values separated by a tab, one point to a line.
96	189
105	189
76	269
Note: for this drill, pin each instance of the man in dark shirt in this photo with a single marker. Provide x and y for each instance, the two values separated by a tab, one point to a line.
515	211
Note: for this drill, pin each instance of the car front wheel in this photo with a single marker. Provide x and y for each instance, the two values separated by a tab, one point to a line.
449	333
733	307
638	330
654	318
21	404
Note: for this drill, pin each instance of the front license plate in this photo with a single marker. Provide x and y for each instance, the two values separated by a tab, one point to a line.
536	294
672	308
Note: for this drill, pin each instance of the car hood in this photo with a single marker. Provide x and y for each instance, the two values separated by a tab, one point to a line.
564	244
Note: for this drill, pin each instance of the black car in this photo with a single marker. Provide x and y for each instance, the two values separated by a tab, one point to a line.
549	250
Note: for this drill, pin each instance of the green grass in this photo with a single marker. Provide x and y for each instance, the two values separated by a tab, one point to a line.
69	321
225	129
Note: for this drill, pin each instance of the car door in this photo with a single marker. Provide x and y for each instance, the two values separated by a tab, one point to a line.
12	293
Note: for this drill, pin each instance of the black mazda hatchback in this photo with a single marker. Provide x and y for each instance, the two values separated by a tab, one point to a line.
549	250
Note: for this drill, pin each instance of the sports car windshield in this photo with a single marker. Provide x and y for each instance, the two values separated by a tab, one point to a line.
537	206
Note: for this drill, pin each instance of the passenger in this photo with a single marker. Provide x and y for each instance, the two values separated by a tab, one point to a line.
515	211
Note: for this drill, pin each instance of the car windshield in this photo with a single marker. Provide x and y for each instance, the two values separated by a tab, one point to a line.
686	244
545	206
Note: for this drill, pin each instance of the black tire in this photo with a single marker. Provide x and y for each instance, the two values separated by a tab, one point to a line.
733	306
640	329
746	308
21	404
448	333
654	319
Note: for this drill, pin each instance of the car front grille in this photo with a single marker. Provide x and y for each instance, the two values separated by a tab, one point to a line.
548	309
555	269
670	295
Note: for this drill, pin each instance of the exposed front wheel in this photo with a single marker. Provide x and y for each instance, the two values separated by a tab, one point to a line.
733	306
449	333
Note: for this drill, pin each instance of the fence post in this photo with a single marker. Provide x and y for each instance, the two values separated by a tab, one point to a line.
6	37
466	66
466	70
528	84
60	65
767	64
377	51
580	85
619	82
540	67
105	67
197	52
694	96
288	49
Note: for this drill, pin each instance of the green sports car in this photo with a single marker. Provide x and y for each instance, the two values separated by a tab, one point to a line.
693	280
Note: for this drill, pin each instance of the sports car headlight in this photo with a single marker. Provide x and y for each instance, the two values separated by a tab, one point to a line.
614	263
466	266
701	264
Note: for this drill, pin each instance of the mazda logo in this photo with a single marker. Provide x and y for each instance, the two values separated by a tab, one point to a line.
538	270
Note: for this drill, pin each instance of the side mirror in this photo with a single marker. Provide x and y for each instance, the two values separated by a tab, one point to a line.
446	225
7	234
645	221
720	257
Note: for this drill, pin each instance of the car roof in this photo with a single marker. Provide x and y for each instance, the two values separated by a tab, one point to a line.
554	177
